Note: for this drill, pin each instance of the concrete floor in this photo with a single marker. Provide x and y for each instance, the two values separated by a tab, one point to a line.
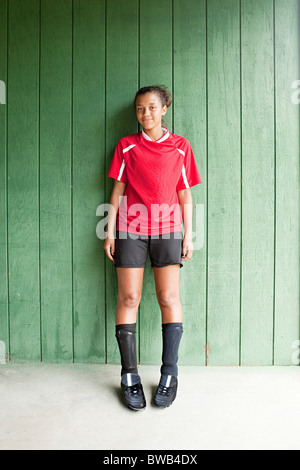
50	406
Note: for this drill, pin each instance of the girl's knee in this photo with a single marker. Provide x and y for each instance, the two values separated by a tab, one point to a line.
130	299
167	298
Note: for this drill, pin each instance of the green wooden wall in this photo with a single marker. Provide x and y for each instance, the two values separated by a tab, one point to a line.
71	70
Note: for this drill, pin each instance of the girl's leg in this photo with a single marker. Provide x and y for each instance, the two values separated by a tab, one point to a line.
130	282
129	295
167	293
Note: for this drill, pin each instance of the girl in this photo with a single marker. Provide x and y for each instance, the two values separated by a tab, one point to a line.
153	171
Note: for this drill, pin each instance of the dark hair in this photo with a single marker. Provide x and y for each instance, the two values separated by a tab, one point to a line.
160	90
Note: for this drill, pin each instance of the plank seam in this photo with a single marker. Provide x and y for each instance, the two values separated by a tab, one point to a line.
105	179
206	175
275	154
72	178
173	72
39	179
138	128
6	177
241	185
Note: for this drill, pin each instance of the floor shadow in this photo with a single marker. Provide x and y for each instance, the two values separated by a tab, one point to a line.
117	392
153	392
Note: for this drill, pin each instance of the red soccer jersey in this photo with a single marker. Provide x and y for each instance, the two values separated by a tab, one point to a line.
153	172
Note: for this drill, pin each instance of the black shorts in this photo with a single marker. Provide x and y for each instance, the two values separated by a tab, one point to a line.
131	250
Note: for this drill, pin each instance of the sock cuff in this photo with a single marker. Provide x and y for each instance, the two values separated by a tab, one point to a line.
172	326
130	327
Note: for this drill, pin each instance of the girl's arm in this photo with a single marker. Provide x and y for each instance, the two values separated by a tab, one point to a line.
186	204
116	195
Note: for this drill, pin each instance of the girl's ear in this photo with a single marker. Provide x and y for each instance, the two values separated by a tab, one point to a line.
164	110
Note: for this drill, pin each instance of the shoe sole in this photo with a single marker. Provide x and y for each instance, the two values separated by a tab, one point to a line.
135	409
164	406
132	408
159	405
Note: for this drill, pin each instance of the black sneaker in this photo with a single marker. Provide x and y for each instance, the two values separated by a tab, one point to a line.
166	391
133	392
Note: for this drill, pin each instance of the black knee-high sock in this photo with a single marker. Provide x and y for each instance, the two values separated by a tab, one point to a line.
126	337
172	333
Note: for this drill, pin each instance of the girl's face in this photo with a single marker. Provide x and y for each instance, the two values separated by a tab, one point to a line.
149	110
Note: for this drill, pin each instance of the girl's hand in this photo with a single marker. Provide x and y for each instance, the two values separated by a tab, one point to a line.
187	249
109	247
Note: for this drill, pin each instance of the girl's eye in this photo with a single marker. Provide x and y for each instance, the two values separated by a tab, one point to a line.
151	107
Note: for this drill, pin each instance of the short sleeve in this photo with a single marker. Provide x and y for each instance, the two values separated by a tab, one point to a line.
190	175
117	169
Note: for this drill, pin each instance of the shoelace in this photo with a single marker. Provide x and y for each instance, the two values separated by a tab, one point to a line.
164	390
134	389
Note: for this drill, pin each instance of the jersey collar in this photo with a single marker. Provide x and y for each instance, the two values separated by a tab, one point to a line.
164	137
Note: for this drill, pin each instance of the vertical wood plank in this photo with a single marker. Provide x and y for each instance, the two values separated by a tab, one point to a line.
4	313
258	182
155	69
23	219
189	109
287	14
121	86
55	179
88	179
224	182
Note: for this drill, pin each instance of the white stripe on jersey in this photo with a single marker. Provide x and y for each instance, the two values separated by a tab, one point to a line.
183	170
181	151
128	148
123	163
184	177
121	171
